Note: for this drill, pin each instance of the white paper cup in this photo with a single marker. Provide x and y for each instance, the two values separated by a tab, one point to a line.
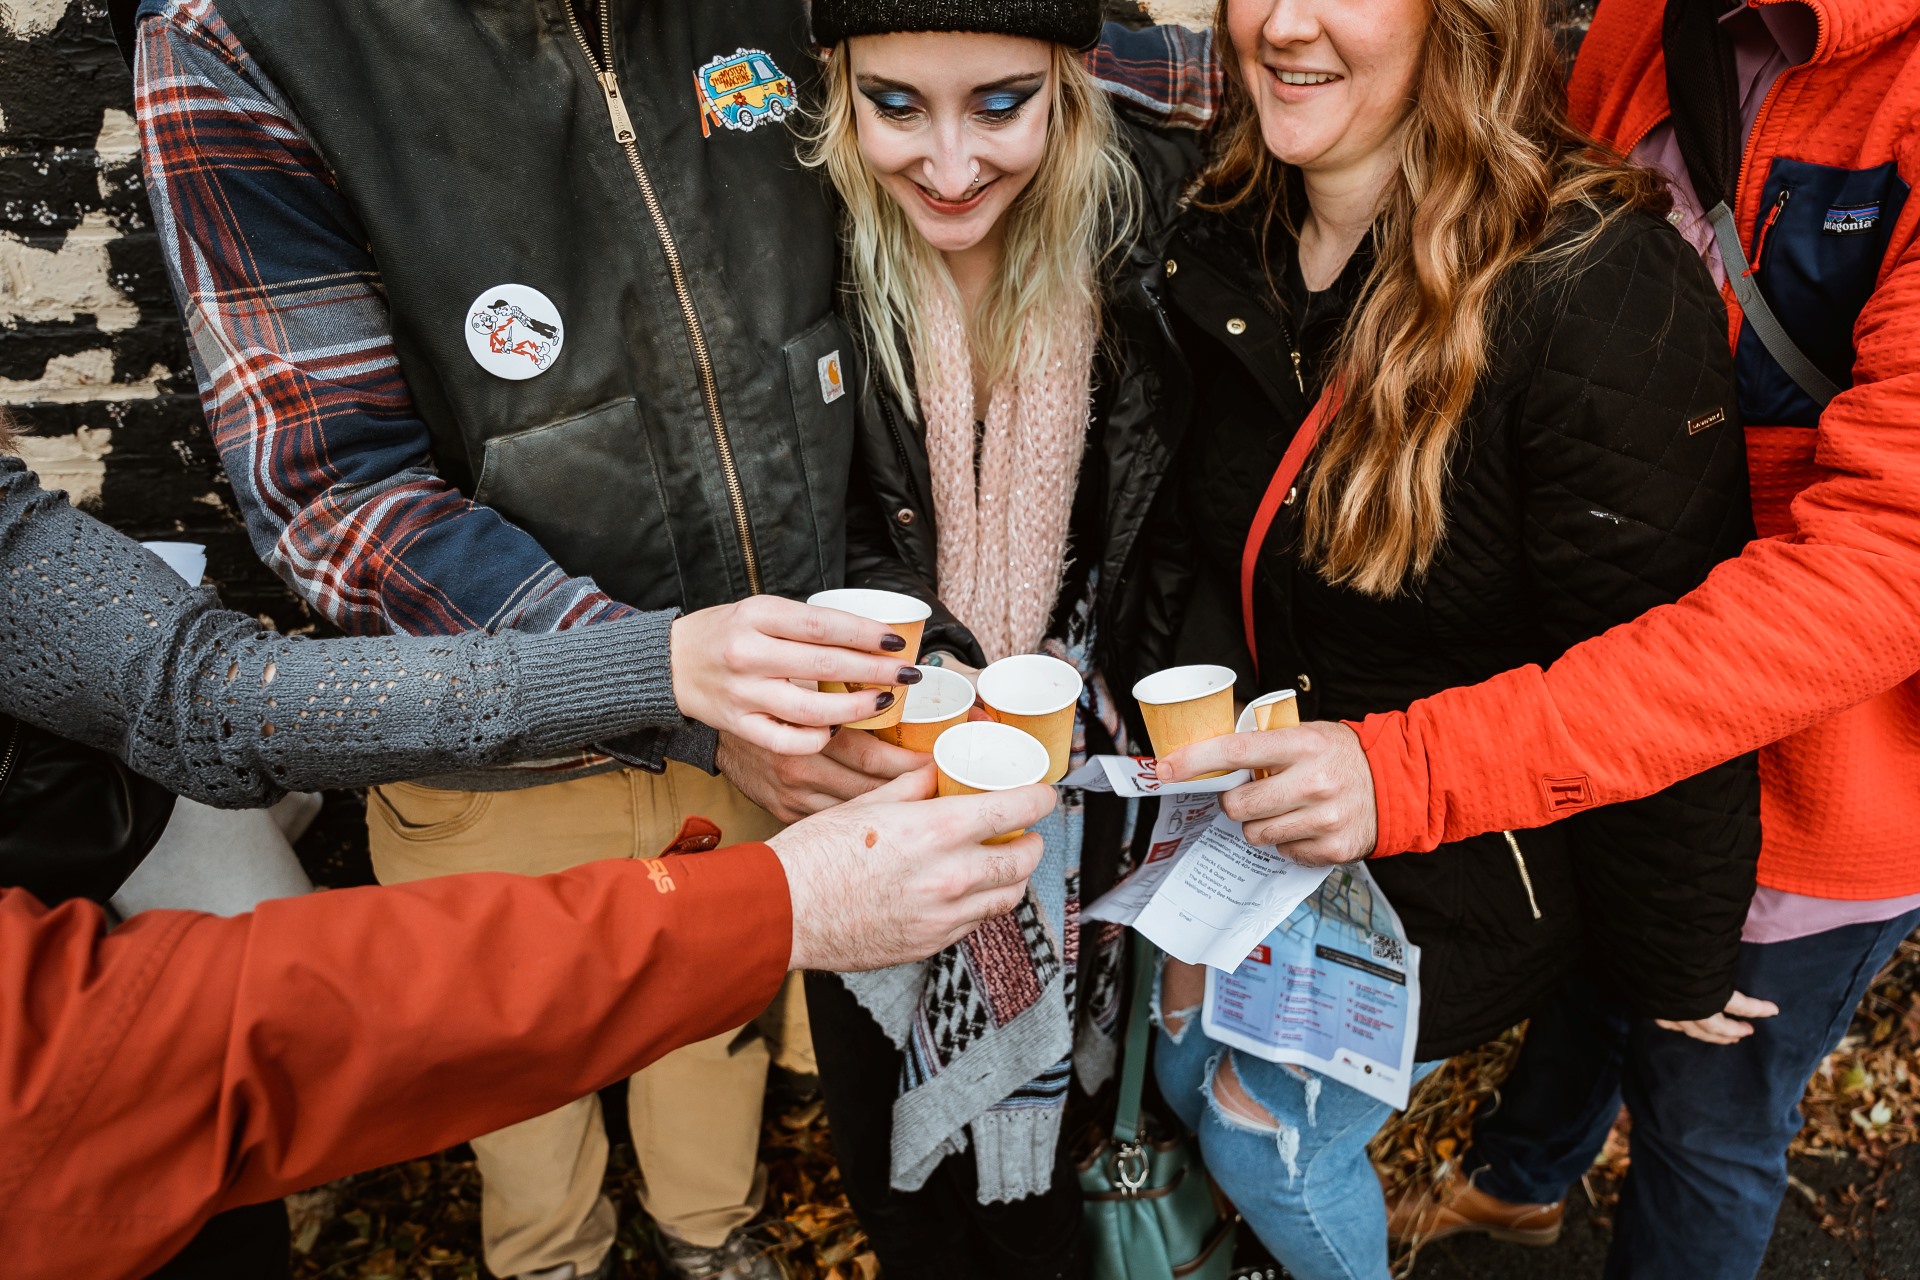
908	618
1038	694
188	559
984	755
940	701
1185	705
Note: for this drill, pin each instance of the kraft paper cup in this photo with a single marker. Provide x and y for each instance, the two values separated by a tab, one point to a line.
1037	694
908	619
940	701
1185	705
1269	711
188	559
984	755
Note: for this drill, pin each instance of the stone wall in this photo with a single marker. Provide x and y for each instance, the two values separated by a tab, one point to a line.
91	356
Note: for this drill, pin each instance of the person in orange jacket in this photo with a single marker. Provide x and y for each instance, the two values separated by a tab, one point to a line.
1786	129
183	1064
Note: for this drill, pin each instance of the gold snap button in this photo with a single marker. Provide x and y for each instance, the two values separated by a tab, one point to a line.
1236	326
1302	683
1172	266
904	515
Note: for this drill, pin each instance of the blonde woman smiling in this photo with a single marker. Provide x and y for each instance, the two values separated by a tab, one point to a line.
1508	378
1006	467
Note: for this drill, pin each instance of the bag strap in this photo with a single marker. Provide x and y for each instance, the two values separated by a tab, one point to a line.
1278	490
1133	1057
1703	92
1766	326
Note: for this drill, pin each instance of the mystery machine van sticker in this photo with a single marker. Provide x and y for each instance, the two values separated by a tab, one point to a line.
514	331
743	90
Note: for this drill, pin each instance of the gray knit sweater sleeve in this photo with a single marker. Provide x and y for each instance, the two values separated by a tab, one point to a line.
102	643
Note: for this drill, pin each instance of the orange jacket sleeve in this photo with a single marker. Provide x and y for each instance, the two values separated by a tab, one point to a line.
182	1064
1797	628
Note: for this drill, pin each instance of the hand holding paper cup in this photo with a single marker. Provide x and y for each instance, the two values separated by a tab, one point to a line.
908	619
1185	705
982	755
1038	695
940	701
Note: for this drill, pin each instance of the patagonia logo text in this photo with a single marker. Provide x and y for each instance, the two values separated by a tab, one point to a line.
1850	219
1701	421
1564	794
661	877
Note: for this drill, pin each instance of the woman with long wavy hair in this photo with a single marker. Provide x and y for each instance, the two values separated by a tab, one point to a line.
1509	382
1002	469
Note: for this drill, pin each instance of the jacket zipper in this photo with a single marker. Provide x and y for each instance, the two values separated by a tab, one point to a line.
1520	861
1760	241
623	133
13	749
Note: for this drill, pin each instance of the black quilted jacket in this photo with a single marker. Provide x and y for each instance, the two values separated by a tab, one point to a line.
1601	473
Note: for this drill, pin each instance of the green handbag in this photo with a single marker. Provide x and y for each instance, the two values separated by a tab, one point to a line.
1150	1213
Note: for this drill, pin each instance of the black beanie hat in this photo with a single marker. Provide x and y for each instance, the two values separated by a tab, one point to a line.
1070	22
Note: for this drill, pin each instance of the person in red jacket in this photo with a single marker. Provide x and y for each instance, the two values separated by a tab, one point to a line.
1786	128
184	1064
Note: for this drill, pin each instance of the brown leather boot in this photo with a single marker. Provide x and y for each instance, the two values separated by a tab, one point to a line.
1418	1215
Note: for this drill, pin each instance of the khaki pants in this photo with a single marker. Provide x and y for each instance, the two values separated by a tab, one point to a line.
695	1113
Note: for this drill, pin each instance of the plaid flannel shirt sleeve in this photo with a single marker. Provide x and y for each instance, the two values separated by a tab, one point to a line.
292	347
1168	71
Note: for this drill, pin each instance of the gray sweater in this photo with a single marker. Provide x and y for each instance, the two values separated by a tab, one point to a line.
101	642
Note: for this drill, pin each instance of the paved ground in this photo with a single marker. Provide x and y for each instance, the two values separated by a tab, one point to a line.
1801	1250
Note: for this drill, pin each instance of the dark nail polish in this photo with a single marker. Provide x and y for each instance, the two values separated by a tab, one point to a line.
884	701
910	675
891	643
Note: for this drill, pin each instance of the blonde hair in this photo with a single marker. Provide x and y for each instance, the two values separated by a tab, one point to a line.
1488	163
1074	216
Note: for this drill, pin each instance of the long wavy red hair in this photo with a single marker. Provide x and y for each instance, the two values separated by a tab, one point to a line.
1488	163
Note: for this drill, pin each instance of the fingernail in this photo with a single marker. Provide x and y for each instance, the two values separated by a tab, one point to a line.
891	643
910	675
884	701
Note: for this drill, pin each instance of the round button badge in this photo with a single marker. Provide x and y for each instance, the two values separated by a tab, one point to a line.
514	331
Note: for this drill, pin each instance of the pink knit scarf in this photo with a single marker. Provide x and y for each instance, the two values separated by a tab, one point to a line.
1002	523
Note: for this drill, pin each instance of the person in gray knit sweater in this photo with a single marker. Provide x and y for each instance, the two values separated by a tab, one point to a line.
102	643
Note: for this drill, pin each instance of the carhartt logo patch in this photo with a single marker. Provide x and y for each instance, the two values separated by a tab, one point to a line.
743	90
1850	219
1564	794
1701	421
514	331
832	385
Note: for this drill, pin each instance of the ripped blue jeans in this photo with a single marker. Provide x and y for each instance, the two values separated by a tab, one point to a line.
1304	1183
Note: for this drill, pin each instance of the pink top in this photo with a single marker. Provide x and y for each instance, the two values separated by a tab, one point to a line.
1766	41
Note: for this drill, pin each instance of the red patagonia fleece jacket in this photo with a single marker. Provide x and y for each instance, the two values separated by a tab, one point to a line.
1806	646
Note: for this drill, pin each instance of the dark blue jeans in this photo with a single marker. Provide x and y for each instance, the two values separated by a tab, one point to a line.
1711	1123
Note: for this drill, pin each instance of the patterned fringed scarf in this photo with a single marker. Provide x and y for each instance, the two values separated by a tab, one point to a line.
1002	517
986	1028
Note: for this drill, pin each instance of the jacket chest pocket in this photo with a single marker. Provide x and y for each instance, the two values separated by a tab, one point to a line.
820	381
1817	250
